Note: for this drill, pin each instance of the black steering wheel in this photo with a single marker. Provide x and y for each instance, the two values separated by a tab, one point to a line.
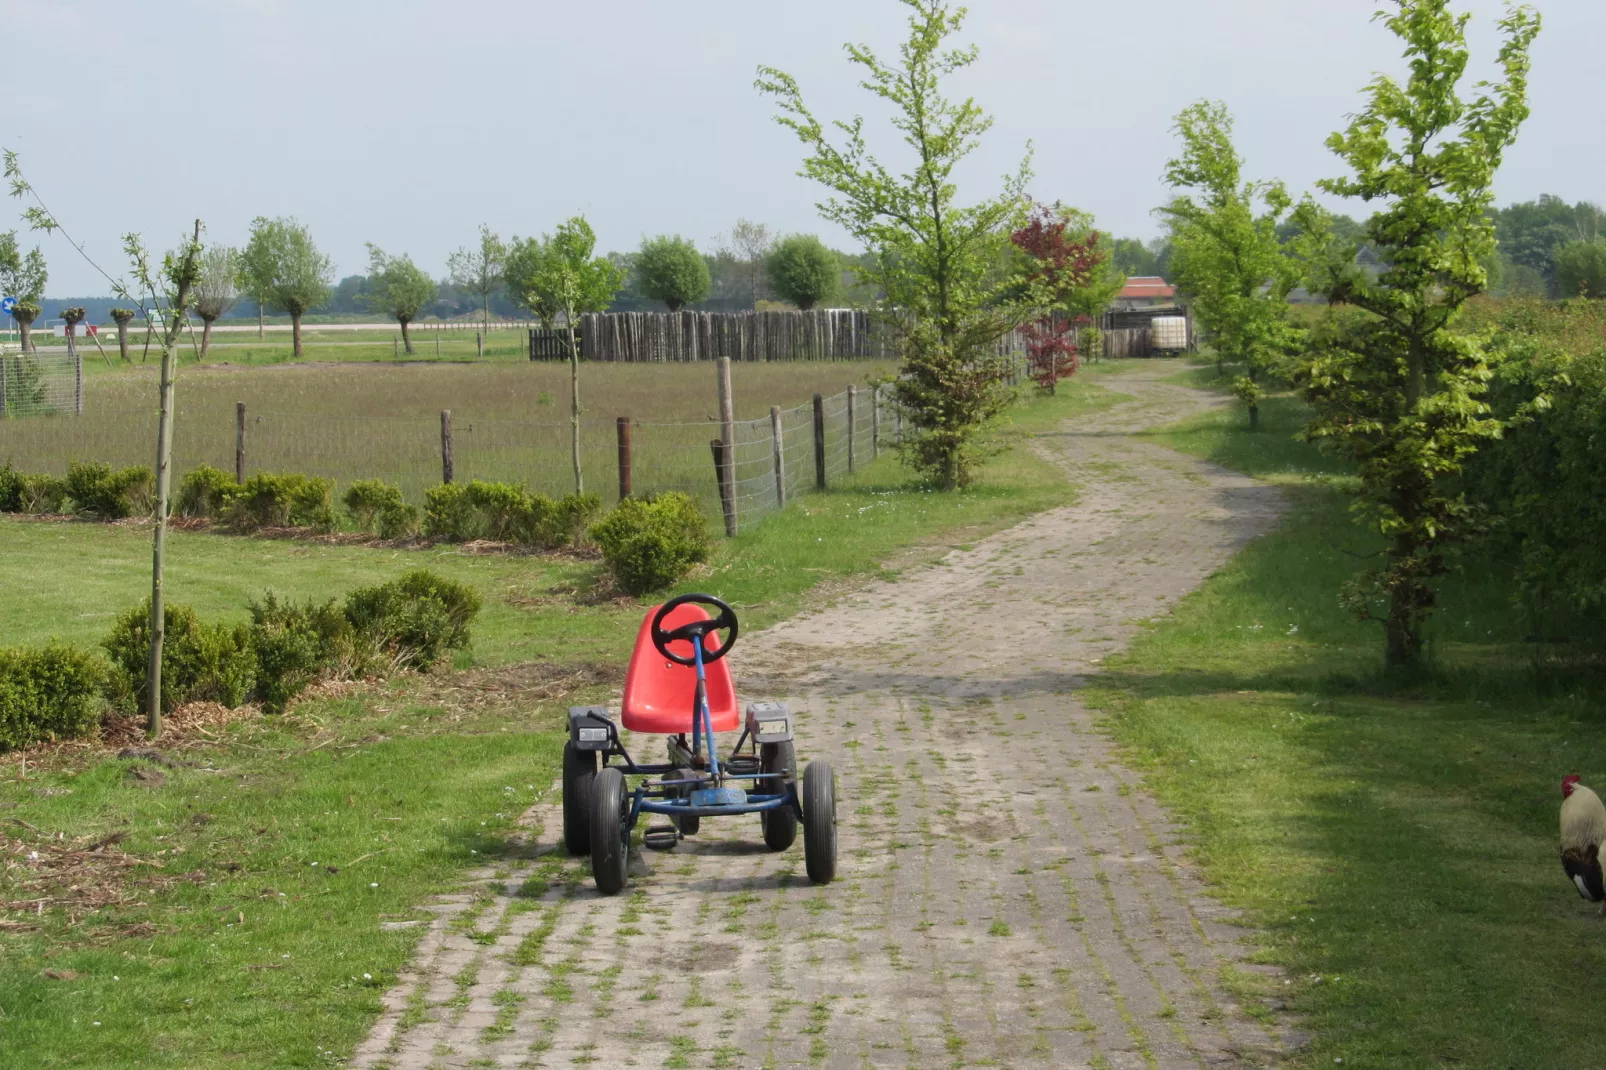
694	630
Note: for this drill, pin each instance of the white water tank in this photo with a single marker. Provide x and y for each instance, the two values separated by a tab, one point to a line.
1169	332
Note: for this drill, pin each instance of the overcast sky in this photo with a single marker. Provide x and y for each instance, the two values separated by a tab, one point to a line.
407	124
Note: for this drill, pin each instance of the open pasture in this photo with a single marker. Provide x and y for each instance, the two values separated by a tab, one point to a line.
510	421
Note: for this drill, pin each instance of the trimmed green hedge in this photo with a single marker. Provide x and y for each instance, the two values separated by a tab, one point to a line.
56	692
506	512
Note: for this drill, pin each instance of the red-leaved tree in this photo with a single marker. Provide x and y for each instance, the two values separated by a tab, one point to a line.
1061	258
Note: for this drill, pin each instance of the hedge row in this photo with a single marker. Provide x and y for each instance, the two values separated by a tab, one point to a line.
59	692
89	489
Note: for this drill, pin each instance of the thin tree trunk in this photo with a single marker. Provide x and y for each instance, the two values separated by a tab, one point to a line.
25	327
574	407
206	338
259	320
1254	417
295	333
407	339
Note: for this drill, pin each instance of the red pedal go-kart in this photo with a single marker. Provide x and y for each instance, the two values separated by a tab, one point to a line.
679	685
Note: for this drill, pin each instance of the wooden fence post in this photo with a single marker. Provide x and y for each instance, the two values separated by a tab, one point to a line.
623	424
446	440
239	442
727	435
778	447
819	441
853	424
479	343
875	423
395	348
727	493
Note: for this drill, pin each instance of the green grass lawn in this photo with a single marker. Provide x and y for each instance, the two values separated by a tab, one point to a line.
279	851
1396	845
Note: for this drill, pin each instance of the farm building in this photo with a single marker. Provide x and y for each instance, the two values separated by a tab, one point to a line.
1145	291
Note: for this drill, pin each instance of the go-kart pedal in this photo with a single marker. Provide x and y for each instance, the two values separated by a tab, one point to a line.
661	837
679	685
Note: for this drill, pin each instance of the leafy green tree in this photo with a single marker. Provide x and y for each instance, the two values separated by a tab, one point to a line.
1581	269
561	275
1394	386
803	271
399	288
748	247
1225	249
1531	233
216	289
23	276
282	265
480	271
935	260
671	270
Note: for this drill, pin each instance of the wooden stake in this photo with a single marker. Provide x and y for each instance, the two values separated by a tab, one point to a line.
875	423
853	424
479	342
727	434
819	441
778	447
623	424
727	493
239	442
446	440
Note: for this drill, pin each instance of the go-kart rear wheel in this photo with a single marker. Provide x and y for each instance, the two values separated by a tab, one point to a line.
780	826
819	822
579	770
610	845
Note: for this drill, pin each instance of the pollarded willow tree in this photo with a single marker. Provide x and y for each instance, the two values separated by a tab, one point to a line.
23	276
281	265
803	271
671	270
560	275
933	258
399	288
123	317
216	290
1225	251
1394	386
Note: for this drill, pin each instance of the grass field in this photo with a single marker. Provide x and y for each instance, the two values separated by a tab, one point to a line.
1397	845
300	834
509	421
430	343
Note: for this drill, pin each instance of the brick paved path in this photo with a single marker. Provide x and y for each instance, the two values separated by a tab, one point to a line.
1007	896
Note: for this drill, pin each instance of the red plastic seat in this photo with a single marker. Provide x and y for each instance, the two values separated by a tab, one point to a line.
659	694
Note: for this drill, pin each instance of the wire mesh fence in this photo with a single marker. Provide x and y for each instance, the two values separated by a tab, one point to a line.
772	459
40	384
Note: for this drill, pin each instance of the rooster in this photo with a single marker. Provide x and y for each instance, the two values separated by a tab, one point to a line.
1583	829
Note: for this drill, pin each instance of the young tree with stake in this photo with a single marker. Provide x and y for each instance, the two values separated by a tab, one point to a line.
216	290
559	275
1394	387
398	287
933	259
1225	254
480	271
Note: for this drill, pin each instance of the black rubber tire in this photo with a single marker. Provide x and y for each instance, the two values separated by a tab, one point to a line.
610	848
819	822
688	826
780	826
579	770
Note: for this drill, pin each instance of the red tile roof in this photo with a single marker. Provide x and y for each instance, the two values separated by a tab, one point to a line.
1147	286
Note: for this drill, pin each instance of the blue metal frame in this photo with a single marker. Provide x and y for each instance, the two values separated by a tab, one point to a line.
655	800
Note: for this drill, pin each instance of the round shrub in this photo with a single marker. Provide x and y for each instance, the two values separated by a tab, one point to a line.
379	507
96	490
269	500
295	645
413	621
200	662
50	693
206	492
650	543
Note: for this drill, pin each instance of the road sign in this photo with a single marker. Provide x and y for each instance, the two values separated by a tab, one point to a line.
8	304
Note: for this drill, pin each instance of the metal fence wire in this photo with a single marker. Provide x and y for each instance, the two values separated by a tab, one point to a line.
410	451
40	384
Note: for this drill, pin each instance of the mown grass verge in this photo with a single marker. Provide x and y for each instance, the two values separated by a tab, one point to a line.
266	858
1395	845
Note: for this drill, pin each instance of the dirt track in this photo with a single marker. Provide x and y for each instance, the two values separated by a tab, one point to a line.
1008	896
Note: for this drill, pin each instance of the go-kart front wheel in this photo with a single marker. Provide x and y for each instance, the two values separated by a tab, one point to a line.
610	845
819	821
780	825
579	770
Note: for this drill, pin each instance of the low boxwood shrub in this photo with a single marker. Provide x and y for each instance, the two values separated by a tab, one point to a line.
296	644
277	500
378	506
448	514
200	662
41	494
506	512
10	489
413	621
206	492
650	543
54	692
97	490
